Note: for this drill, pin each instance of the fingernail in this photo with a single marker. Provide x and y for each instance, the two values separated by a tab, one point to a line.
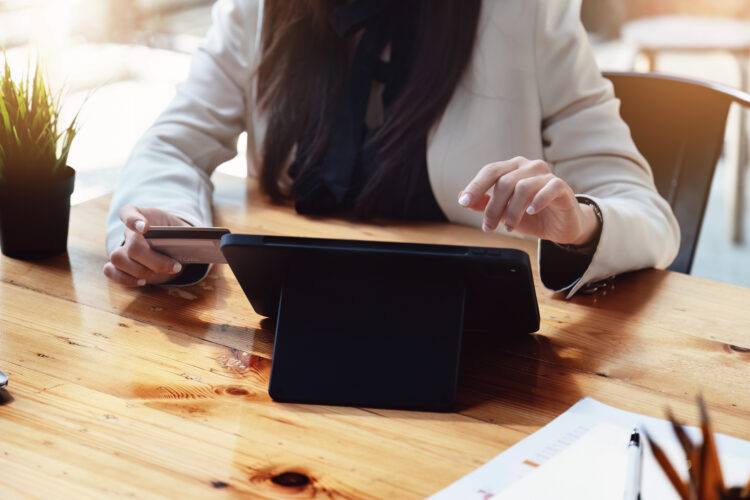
464	200
530	210
140	226
486	227
177	267
509	228
141	282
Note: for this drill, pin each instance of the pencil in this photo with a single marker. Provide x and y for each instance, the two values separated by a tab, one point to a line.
687	444
692	453
746	491
666	466
711	479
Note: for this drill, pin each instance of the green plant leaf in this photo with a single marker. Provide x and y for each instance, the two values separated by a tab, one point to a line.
33	144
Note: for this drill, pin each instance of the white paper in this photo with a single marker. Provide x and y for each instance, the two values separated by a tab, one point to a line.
582	455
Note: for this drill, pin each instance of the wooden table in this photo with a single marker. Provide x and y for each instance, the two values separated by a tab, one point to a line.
162	392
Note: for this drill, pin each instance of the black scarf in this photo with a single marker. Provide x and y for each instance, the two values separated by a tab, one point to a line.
334	183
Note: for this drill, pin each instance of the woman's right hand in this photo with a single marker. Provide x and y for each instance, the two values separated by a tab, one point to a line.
135	263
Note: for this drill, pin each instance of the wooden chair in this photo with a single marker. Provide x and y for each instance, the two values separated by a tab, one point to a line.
653	36
678	125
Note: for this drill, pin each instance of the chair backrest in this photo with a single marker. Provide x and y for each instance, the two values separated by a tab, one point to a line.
678	125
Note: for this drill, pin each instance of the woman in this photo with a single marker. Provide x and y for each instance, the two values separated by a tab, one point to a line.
487	113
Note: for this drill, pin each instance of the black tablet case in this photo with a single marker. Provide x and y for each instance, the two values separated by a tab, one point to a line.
377	324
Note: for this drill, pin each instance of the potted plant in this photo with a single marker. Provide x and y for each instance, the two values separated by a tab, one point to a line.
35	180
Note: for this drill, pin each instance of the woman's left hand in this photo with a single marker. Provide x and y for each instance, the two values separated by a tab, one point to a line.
527	197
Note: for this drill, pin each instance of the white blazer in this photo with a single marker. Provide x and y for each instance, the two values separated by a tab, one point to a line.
532	89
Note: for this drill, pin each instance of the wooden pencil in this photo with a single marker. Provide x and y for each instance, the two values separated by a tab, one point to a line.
666	466
692	453
711	478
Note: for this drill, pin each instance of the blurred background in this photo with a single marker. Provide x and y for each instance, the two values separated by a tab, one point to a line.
125	57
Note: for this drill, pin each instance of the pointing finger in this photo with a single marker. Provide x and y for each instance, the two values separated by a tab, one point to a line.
471	196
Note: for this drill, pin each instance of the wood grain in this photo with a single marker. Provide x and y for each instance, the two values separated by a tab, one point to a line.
159	392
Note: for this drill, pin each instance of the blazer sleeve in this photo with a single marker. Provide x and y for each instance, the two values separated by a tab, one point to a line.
589	146
170	166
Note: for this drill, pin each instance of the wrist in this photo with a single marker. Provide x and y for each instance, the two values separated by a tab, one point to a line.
589	226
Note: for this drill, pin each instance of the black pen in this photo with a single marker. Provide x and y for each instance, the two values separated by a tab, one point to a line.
635	464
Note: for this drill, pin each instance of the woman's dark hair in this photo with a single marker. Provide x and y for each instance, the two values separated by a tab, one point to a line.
303	68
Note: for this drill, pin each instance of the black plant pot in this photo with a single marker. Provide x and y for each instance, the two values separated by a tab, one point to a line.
34	217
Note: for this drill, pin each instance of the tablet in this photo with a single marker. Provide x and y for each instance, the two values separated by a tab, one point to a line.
500	286
378	324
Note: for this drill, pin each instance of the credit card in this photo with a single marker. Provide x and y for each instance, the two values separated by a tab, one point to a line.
188	245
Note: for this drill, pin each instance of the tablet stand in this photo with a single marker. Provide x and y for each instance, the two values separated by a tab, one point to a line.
368	340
